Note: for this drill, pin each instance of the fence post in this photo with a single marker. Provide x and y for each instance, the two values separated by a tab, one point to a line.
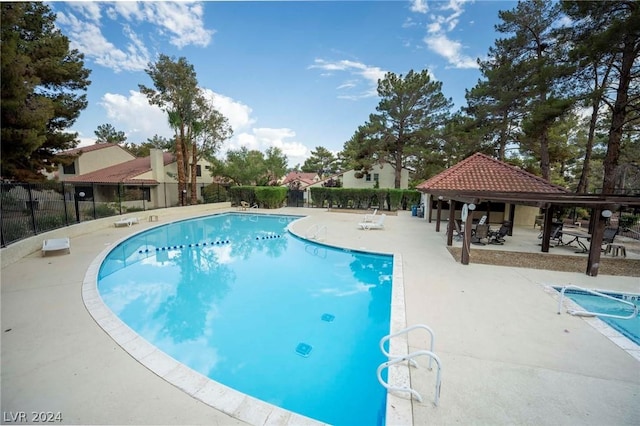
33	213
64	202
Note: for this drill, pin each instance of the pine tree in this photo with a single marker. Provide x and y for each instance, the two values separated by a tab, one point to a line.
42	89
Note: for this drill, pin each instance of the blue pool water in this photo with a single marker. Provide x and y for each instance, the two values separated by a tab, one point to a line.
592	303
240	300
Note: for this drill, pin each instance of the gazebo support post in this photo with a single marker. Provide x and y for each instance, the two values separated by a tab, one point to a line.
599	222
451	226
466	239
512	217
430	201
546	228
439	214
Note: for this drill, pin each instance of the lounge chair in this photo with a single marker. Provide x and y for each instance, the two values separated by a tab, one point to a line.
370	217
56	244
556	233
128	221
243	205
497	237
481	232
379	224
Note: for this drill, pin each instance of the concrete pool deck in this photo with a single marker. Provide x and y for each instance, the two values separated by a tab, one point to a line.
507	356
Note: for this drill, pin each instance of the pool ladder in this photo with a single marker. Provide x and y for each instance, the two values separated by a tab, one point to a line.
396	359
593	314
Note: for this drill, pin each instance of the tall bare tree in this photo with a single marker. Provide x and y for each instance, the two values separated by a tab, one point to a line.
176	88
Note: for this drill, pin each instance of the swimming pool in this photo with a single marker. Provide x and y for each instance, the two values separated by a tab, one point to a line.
630	328
239	299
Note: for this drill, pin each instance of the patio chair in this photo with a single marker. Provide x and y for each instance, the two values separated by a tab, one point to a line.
458	233
482	232
243	205
56	244
379	224
608	237
556	233
370	217
497	237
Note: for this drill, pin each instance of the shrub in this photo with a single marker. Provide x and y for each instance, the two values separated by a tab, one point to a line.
395	198
627	221
270	197
49	222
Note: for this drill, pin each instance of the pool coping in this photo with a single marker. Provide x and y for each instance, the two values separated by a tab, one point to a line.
605	329
217	395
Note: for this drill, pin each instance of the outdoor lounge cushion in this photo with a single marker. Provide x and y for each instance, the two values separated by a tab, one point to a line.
379	224
126	221
55	244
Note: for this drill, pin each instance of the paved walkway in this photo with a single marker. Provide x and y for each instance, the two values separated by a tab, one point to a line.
508	357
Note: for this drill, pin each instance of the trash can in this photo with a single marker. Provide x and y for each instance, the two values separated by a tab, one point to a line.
414	210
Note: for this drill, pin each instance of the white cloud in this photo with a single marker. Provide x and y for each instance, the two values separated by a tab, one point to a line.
238	114
88	39
183	20
450	50
90	10
182	23
135	116
367	76
262	138
140	121
419	6
439	42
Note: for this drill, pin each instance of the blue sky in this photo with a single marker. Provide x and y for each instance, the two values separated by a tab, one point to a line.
291	74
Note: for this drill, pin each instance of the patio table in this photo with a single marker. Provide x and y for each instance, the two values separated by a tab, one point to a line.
577	237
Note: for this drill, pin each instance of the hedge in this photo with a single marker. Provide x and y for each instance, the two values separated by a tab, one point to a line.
267	197
363	198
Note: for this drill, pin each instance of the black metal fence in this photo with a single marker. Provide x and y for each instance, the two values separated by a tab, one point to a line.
28	209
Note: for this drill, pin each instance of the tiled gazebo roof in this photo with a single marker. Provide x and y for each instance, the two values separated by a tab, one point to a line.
480	172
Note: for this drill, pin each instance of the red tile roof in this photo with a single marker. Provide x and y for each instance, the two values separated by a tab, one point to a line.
480	172
124	172
306	178
88	148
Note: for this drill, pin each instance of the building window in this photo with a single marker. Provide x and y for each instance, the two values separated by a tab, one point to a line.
198	170
376	177
368	177
146	193
69	169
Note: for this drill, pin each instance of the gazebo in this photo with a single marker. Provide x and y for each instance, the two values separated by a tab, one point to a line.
482	180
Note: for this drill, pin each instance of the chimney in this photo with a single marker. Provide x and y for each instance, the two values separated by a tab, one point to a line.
157	164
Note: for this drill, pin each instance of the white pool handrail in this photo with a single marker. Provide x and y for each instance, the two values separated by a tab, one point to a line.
588	313
410	357
406	331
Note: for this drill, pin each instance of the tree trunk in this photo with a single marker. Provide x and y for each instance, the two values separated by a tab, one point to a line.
583	184
180	165
545	168
619	114
194	169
